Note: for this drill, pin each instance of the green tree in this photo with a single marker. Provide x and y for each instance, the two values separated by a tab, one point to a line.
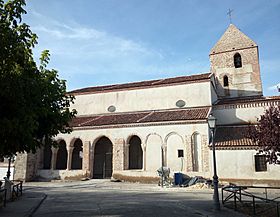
34	106
266	134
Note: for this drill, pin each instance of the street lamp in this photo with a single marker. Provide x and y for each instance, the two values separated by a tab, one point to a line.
212	124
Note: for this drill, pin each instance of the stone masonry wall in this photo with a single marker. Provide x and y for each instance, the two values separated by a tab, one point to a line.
20	166
118	154
244	81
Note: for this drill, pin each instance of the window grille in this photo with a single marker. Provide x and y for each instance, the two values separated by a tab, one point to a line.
180	153
260	163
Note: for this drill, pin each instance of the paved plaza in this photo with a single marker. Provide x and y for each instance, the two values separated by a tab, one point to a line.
115	199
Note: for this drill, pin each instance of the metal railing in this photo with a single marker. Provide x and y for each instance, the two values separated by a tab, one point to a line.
17	190
239	196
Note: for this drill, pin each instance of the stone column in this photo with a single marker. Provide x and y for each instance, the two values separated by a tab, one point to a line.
40	158
205	153
69	157
54	157
118	154
144	157
31	167
126	156
86	157
164	148
189	153
91	159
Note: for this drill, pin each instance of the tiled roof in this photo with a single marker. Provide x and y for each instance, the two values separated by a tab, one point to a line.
248	100
232	39
233	137
144	84
141	117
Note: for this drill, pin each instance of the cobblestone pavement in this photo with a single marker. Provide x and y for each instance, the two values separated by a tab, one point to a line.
115	199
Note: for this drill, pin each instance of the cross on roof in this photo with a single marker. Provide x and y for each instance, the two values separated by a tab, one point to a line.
229	14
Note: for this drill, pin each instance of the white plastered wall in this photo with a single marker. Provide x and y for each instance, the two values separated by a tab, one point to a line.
238	115
240	164
156	98
174	143
153	152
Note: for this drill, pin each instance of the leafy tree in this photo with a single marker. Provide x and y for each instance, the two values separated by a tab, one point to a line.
34	106
267	134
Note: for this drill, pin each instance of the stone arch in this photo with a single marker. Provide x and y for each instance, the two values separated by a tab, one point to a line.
97	138
47	157
154	152
175	152
196	152
135	153
130	136
153	134
170	134
102	159
77	154
62	155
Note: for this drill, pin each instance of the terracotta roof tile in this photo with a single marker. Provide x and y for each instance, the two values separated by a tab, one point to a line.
116	119
141	117
143	84
81	121
186	114
232	136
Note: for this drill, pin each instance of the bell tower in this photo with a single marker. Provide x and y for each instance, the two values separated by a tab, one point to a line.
235	63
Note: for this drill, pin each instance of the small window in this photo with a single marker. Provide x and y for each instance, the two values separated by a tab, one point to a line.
111	108
180	153
237	60
225	80
180	103
260	163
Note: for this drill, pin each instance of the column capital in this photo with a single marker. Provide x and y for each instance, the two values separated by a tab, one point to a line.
70	148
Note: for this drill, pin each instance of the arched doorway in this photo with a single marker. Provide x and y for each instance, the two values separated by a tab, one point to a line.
47	159
135	153
102	165
61	159
77	160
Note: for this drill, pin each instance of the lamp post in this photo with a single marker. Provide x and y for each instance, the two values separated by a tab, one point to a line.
212	125
9	168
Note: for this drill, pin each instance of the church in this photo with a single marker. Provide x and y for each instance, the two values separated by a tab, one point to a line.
128	131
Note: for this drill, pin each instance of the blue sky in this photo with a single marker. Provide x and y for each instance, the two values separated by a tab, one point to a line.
98	42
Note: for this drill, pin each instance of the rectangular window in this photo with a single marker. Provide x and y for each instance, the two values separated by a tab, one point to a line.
260	163
180	153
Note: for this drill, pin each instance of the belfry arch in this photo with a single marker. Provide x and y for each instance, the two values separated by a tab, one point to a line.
102	161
